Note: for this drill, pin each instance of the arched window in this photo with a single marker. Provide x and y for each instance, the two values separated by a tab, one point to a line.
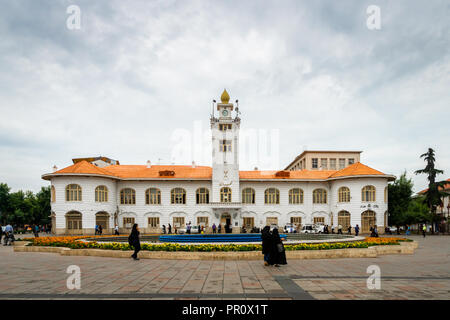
248	196
320	196
178	196
368	193
225	194
386	194
344	219
202	195
127	196
272	196
295	196
344	194
53	194
152	196
73	192
101	194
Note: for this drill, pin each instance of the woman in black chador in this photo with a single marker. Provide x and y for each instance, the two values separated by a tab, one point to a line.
265	236
277	254
133	241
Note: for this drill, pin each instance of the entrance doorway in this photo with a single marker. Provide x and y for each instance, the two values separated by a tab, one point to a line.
248	223
101	219
225	221
368	219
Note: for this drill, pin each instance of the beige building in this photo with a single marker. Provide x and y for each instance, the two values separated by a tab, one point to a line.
324	160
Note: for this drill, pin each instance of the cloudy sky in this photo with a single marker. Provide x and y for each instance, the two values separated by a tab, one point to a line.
136	73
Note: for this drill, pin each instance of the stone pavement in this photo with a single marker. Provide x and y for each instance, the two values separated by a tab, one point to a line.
424	275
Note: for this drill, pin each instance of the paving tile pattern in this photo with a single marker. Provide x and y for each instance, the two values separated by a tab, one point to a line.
424	275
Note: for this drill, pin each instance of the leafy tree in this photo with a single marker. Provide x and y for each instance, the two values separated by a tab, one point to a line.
4	201
433	195
399	194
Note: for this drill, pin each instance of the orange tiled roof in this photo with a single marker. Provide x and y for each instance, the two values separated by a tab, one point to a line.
356	169
141	171
298	174
446	187
203	172
84	167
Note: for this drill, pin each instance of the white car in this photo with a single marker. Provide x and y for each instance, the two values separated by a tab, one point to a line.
290	228
194	229
312	228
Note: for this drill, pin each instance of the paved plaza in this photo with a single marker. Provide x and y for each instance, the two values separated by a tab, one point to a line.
424	275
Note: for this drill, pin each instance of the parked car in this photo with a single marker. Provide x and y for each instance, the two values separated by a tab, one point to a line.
290	228
312	228
195	229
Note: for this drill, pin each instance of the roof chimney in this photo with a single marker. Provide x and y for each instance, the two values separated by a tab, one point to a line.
55	168
193	164
149	164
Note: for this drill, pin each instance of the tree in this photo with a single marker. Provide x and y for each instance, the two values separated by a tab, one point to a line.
433	195
4	201
399	194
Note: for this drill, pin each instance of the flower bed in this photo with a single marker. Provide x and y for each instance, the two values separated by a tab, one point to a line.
75	243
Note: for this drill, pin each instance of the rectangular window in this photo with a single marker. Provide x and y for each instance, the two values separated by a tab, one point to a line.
128	223
297	221
178	222
153	222
319	220
225	127
332	164
315	163
225	145
341	164
324	163
272	220
351	161
202	221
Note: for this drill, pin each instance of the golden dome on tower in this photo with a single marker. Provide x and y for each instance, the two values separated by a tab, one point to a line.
225	97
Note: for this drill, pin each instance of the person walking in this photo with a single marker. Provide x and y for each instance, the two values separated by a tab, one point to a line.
214	228
277	253
100	229
1	233
116	230
408	231
96	229
9	234
219	229
339	229
349	229
356	230
424	230
134	242
164	229
170	229
36	231
266	241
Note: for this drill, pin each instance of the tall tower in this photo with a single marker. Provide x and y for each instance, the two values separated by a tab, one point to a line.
225	151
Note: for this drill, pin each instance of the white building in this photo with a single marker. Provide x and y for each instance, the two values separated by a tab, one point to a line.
87	193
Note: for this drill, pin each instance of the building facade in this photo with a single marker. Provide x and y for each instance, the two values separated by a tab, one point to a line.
87	194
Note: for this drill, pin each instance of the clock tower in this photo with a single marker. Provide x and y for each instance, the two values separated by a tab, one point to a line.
225	152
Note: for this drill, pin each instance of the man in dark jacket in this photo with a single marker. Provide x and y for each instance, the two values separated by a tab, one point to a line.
265	236
133	241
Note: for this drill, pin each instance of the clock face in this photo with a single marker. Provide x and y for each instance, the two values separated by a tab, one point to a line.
225	113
